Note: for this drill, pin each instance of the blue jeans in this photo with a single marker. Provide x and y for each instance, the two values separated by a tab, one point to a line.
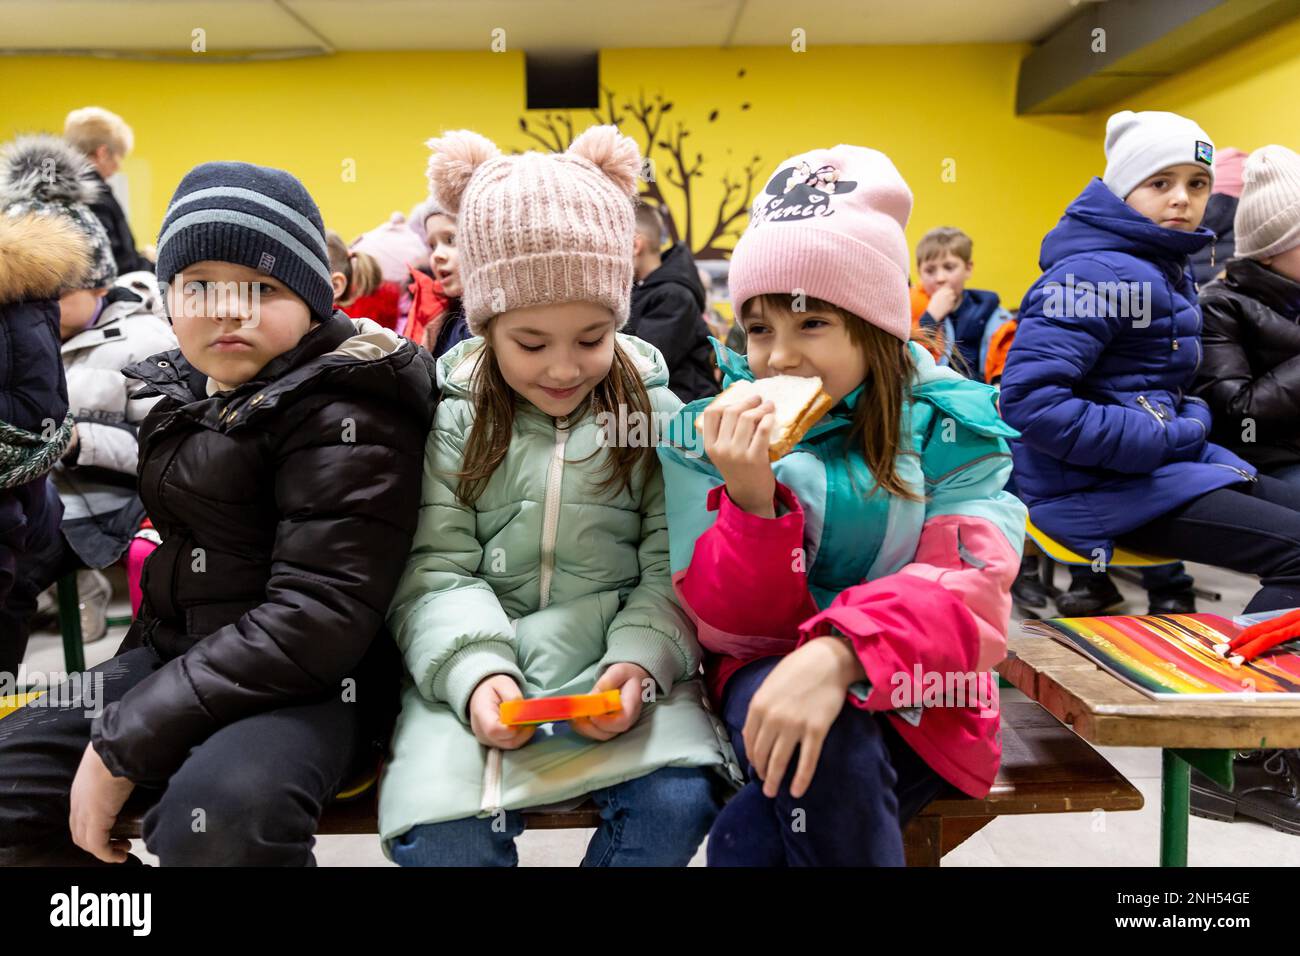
868	784
656	820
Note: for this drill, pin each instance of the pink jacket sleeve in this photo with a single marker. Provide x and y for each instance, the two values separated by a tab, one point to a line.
741	554
972	559
945	613
901	628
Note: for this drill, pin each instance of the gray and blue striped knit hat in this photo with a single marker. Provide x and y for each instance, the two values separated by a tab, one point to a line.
254	216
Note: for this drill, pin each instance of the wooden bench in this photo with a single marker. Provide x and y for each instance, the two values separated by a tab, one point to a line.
1045	769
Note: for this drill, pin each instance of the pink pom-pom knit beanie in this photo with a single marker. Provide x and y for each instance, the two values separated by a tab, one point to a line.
539	228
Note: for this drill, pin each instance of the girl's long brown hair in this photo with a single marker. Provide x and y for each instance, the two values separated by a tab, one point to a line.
877	416
494	416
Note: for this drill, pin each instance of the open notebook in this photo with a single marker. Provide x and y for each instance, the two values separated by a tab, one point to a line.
1171	656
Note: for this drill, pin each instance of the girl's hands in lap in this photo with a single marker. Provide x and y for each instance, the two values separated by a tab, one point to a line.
795	707
629	679
485	713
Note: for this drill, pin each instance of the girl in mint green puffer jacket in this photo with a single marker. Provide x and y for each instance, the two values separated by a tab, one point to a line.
540	564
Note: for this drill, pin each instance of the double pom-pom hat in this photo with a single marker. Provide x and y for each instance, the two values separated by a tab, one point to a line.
539	228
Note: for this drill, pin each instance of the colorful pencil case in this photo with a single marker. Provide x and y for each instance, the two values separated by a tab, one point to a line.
543	710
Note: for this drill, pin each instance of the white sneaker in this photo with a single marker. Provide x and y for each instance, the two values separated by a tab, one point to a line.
94	592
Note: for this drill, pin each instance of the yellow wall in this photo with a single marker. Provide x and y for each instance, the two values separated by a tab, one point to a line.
933	109
1245	97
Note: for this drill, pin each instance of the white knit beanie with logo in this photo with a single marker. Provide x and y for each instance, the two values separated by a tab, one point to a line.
1140	144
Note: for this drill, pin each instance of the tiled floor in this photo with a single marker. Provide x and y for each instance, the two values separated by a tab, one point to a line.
1076	839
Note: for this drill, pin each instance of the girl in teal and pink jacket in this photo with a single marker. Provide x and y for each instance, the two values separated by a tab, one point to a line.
852	596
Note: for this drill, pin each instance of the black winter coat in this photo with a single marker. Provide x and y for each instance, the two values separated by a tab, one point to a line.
1251	369
286	508
109	212
668	312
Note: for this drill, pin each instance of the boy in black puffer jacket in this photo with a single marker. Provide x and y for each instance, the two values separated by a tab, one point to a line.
668	309
1250	378
1250	375
282	469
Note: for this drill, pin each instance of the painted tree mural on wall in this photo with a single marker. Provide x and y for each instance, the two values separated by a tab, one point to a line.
670	163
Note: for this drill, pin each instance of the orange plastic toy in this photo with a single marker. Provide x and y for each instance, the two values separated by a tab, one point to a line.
543	710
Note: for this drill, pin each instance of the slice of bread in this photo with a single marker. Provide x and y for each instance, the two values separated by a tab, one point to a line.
799	402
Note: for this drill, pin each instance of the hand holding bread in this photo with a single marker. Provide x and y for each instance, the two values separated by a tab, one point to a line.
752	424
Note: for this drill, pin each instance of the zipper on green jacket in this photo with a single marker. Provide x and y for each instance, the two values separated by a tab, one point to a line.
551	509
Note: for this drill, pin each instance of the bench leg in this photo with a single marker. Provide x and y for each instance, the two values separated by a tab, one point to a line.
1175	785
923	841
74	658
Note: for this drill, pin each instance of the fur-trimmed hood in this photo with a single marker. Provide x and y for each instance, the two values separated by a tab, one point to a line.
45	169
44	175
41	257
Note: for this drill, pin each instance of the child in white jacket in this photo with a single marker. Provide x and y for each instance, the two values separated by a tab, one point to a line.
96	478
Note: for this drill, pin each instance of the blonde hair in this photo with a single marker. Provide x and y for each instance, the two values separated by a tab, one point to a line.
943	240
361	270
89	128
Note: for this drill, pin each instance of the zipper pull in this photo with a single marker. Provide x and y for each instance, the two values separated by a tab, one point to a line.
1175	345
1154	410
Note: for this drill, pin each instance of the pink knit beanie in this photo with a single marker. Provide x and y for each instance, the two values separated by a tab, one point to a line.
394	248
539	228
1228	165
830	225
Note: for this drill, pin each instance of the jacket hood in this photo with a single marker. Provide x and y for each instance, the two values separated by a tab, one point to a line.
132	294
678	266
457	365
45	169
1098	221
360	354
40	257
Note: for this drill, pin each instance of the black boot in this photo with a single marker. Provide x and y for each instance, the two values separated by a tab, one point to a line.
1089	595
1027	590
1183	602
1266	788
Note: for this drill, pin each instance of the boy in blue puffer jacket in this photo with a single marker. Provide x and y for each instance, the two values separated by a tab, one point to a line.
1113	449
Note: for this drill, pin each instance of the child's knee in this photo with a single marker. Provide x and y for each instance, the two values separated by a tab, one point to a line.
230	819
472	841
854	758
678	799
